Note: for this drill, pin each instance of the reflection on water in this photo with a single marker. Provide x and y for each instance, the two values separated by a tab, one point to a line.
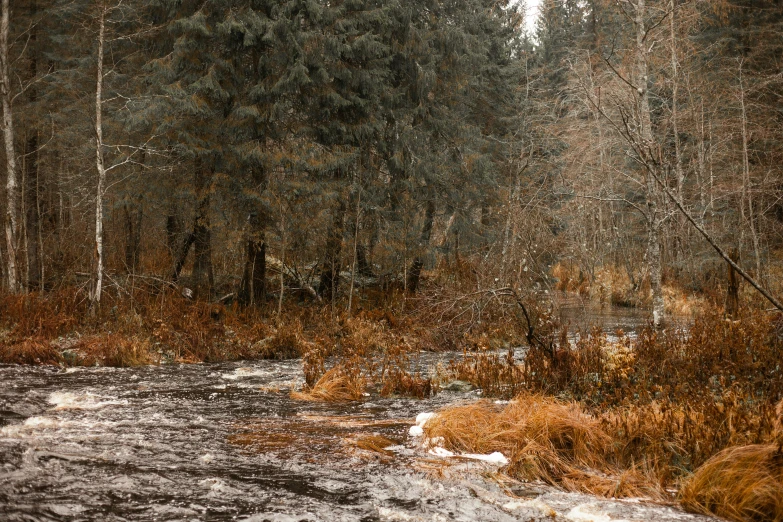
581	314
226	442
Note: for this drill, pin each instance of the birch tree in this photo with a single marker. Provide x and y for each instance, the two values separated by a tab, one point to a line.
99	165
12	190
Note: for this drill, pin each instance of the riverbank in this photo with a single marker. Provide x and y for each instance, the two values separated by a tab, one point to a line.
225	441
666	415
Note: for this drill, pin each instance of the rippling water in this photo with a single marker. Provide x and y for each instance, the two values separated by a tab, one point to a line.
226	442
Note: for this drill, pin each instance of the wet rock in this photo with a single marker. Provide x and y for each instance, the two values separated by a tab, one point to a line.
458	387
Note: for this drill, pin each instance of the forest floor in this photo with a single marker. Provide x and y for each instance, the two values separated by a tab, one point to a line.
688	414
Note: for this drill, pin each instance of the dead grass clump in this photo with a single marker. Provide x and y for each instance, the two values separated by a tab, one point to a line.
376	443
497	376
570	277
630	483
29	351
286	343
398	381
544	439
612	285
114	350
336	385
743	483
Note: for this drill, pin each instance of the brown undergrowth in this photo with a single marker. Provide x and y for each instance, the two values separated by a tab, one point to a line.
336	385
672	402
365	354
544	439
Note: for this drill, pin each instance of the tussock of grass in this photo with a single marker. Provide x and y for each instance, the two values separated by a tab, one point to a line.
336	385
743	483
114	350
29	351
544	439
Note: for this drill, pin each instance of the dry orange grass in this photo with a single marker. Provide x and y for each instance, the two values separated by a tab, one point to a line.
743	483
114	350
336	385
29	351
375	443
544	439
287	342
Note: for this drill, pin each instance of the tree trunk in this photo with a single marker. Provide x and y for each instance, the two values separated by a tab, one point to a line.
96	294
355	256
12	190
181	256
252	290
330	270
203	277
654	221
253	287
174	231
414	273
732	292
747	189
679	172
134	213
32	192
32	226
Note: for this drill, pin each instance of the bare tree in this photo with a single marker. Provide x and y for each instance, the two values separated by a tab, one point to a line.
12	191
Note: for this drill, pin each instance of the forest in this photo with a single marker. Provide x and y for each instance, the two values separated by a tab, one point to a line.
350	184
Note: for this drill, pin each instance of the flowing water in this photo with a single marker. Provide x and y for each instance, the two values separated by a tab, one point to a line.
226	442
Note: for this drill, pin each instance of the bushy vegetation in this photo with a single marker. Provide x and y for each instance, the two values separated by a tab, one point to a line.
639	415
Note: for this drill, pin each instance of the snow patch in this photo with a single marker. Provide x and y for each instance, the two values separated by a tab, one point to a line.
421	420
415	431
493	458
440	452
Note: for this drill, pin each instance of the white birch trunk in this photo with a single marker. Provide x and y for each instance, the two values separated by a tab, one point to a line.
12	189
99	162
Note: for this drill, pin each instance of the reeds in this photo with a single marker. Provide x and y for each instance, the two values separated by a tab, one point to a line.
336	385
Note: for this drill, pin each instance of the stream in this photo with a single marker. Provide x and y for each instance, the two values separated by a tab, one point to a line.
226	442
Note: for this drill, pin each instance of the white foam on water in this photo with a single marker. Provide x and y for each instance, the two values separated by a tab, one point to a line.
217	487
81	401
31	424
535	503
590	513
245	372
206	458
